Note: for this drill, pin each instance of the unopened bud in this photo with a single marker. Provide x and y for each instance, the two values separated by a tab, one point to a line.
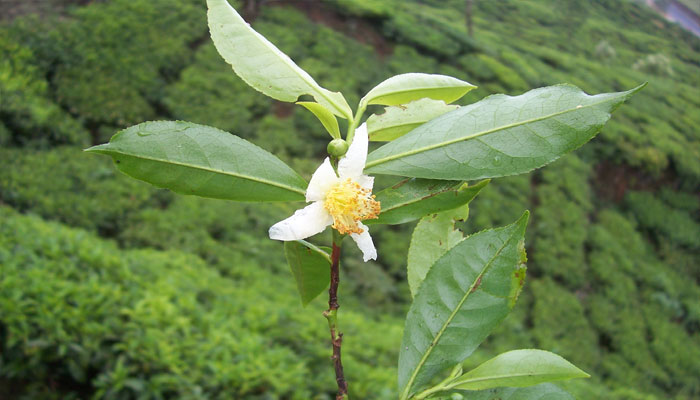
337	148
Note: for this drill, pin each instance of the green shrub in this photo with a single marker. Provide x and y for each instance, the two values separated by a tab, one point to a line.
364	8
560	324
418	29
120	55
79	313
406	59
70	186
209	93
560	222
27	114
652	213
636	303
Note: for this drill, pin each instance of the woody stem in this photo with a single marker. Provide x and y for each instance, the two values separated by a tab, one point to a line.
332	316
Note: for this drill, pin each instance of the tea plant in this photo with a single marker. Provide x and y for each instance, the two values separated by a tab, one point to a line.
462	286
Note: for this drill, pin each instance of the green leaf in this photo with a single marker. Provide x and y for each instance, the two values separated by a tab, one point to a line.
412	199
498	136
262	65
200	160
310	266
464	296
326	117
399	120
434	236
545	391
518	368
405	88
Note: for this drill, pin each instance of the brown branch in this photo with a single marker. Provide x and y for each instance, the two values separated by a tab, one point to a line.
332	315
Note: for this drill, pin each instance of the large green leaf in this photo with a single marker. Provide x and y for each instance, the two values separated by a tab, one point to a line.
498	136
545	391
310	266
200	160
396	121
405	88
415	198
262	65
518	368
464	296
434	236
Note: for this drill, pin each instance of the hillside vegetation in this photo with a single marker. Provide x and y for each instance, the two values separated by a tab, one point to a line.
110	288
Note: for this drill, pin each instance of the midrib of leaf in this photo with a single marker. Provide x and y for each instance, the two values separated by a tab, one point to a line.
478	134
398	125
421	89
241	176
418	199
292	66
493	377
423	359
317	249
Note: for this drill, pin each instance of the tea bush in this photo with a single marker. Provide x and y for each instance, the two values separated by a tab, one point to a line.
81	313
27	113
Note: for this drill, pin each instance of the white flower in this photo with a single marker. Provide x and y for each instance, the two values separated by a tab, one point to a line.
342	200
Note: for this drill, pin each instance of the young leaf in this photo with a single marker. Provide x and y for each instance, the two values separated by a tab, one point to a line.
464	296
415	198
545	391
262	65
311	269
200	160
326	117
434	236
405	88
399	120
518	368
498	136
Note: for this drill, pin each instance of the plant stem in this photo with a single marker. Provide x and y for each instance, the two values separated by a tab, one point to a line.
332	316
352	125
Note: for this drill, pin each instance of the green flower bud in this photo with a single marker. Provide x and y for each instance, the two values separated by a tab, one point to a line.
337	148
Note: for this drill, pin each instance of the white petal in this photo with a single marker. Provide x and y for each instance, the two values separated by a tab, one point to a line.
322	180
305	222
364	242
353	163
365	181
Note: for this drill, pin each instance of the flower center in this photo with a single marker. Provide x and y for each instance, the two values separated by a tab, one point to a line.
348	203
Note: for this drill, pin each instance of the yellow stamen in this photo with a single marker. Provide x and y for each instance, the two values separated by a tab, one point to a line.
348	203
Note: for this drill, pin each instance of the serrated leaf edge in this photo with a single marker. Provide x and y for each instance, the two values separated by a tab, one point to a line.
477	281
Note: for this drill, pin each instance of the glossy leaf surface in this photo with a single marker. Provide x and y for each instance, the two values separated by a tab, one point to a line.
464	296
405	88
262	65
434	236
326	117
310	268
396	121
545	391
498	136
200	160
518	368
414	198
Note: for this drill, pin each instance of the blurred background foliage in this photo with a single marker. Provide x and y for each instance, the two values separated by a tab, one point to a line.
112	289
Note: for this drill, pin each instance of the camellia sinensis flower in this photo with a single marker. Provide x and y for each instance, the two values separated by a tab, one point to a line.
342	200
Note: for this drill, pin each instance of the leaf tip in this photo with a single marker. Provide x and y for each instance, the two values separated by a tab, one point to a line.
637	89
100	149
482	184
524	218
